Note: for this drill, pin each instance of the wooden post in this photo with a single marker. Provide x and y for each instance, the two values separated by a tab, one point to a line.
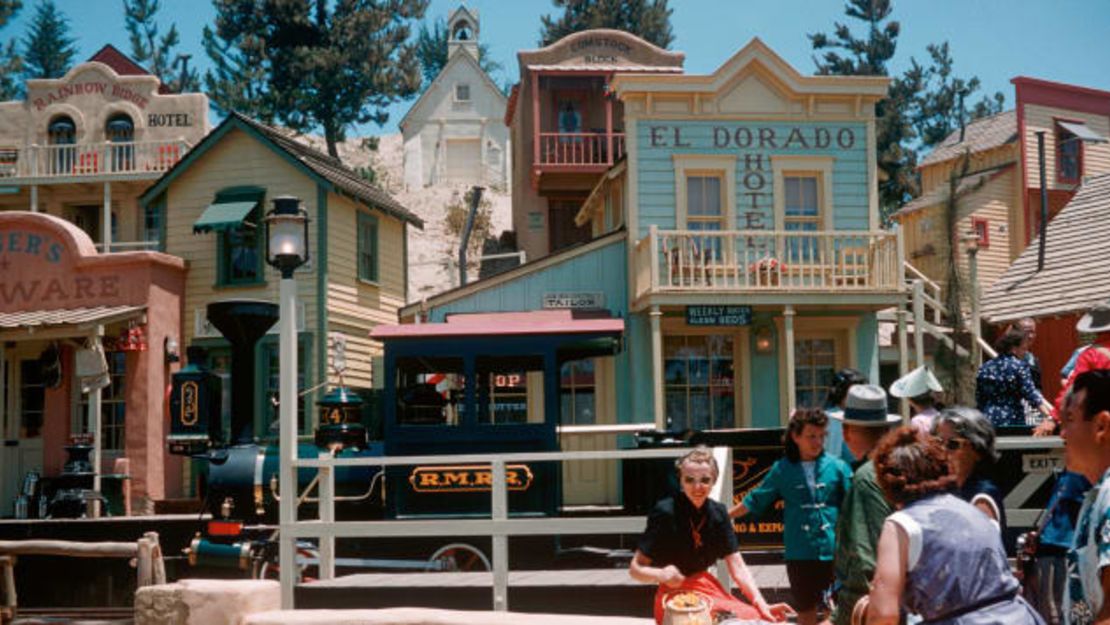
919	322
788	350
610	157
8	607
158	563
903	355
535	120
94	424
656	316
145	574
500	512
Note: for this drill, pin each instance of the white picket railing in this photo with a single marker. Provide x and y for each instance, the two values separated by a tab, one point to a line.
499	526
91	159
767	260
579	148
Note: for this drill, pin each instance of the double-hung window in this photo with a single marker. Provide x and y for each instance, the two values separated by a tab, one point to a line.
367	247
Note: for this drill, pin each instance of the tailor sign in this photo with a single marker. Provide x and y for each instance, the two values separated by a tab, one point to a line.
475	478
718	315
574	300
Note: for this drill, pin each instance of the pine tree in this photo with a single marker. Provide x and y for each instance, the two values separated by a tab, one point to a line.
939	109
314	64
648	19
48	50
236	46
845	54
10	63
157	53
431	51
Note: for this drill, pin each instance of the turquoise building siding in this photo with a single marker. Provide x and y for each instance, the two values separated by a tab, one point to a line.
753	144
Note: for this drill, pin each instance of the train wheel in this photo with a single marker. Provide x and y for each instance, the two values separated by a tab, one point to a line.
458	557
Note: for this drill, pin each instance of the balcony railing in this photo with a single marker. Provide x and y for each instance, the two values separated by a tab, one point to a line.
766	260
579	149
92	159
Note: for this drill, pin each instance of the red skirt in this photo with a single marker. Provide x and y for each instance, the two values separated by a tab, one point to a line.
707	586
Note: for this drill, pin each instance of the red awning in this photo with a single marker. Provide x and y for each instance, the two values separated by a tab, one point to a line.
502	324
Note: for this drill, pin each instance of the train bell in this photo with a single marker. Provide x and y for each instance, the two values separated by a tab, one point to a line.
339	428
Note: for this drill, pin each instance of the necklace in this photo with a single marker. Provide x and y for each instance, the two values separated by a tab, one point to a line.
695	531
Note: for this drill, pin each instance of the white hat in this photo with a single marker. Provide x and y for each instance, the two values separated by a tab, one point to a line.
1096	320
866	405
916	383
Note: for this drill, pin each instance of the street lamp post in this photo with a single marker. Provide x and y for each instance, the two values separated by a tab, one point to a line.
286	250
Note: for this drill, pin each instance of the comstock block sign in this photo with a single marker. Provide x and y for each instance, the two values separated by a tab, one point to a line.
468	478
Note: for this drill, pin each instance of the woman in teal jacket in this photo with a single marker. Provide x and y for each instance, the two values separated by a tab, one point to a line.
811	484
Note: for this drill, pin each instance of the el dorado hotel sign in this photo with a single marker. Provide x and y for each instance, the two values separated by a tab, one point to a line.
468	478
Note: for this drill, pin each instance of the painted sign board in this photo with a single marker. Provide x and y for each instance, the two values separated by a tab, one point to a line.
718	315
574	300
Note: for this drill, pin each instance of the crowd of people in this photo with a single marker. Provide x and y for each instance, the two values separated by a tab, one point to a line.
886	523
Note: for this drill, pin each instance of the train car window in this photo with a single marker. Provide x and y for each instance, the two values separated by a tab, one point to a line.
510	389
576	393
430	391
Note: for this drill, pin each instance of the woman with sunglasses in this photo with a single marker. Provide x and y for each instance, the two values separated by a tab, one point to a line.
688	533
968	440
937	556
811	484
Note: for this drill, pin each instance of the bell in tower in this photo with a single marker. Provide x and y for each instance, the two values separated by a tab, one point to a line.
462	32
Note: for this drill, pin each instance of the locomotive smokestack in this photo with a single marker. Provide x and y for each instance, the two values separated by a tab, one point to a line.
242	322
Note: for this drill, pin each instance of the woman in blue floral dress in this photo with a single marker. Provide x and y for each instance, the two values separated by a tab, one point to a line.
1005	380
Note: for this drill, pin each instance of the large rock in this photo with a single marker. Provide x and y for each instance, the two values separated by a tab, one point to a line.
205	601
424	616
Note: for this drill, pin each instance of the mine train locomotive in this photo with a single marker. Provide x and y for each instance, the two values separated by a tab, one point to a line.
239	475
238	479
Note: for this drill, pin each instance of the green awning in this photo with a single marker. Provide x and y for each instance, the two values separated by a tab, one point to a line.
226	213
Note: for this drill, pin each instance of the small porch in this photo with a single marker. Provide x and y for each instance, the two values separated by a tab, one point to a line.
577	127
766	261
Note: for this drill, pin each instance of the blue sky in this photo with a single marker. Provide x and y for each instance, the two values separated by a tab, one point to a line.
1061	40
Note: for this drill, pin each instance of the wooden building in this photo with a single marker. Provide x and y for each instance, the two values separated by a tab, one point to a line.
567	128
214	200
1074	278
454	133
998	196
80	263
738	239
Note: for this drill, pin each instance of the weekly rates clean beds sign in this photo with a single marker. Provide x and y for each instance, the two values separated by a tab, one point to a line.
718	315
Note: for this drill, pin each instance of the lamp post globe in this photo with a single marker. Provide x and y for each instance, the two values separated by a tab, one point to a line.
287	235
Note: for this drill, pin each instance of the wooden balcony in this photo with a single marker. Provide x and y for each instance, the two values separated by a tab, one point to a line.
138	159
575	153
766	261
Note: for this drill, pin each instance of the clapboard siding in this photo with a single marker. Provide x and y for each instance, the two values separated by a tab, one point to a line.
237	159
991	202
753	169
1096	157
936	174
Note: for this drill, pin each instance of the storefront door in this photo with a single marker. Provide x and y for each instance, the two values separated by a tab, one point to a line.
21	417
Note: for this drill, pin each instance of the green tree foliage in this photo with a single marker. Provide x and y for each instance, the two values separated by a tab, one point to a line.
11	64
156	52
431	51
846	54
48	49
314	64
648	19
923	105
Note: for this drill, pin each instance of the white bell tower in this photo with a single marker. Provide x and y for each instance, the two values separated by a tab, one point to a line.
462	32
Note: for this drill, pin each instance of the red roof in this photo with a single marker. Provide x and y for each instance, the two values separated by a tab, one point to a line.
122	64
502	324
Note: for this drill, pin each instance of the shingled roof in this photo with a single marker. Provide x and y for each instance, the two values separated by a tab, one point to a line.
1076	265
334	171
939	194
982	134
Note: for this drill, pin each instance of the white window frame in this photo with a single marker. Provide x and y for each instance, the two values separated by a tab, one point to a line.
820	167
842	330
723	166
741	362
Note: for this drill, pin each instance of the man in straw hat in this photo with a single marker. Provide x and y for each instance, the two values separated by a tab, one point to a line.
918	386
864	508
1097	356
